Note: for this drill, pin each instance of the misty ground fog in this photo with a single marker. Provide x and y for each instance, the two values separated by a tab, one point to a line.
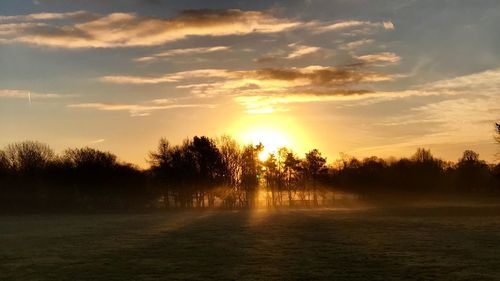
445	243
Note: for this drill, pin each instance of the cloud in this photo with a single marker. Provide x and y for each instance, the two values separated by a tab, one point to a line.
356	44
168	78
97	141
78	15
24	94
361	26
268	86
388	25
300	51
136	110
259	104
465	113
317	75
130	29
486	82
182	52
268	58
480	90
345	24
386	57
311	75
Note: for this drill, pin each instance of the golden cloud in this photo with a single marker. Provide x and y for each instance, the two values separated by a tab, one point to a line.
268	86
479	88
311	75
130	29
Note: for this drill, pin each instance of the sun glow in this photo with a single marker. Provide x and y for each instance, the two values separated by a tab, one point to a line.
272	140
274	132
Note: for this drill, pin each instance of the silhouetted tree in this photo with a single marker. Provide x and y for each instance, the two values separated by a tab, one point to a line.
314	167
251	170
89	170
190	172
202	172
98	180
161	168
210	167
496	169
29	156
4	164
28	162
292	171
497	125
271	177
89	159
472	173
426	173
372	171
231	158
281	186
4	176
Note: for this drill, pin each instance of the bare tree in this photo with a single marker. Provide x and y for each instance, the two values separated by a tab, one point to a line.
231	159
423	155
4	163
469	156
472	173
28	156
88	158
161	156
161	167
497	127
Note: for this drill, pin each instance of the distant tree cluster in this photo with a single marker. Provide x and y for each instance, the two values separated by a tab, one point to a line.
420	177
203	172
33	177
206	173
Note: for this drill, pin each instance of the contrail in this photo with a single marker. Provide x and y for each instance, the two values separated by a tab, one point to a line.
29	97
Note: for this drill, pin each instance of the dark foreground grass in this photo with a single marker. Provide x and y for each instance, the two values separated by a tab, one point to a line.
378	244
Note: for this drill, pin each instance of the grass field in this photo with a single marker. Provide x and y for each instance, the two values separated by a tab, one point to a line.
446	243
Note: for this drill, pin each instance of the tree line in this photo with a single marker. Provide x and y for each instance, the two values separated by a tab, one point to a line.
220	173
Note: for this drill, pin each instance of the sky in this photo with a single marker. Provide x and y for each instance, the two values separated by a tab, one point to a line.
357	77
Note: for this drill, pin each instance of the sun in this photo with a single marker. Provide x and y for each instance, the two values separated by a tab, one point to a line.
273	132
272	140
